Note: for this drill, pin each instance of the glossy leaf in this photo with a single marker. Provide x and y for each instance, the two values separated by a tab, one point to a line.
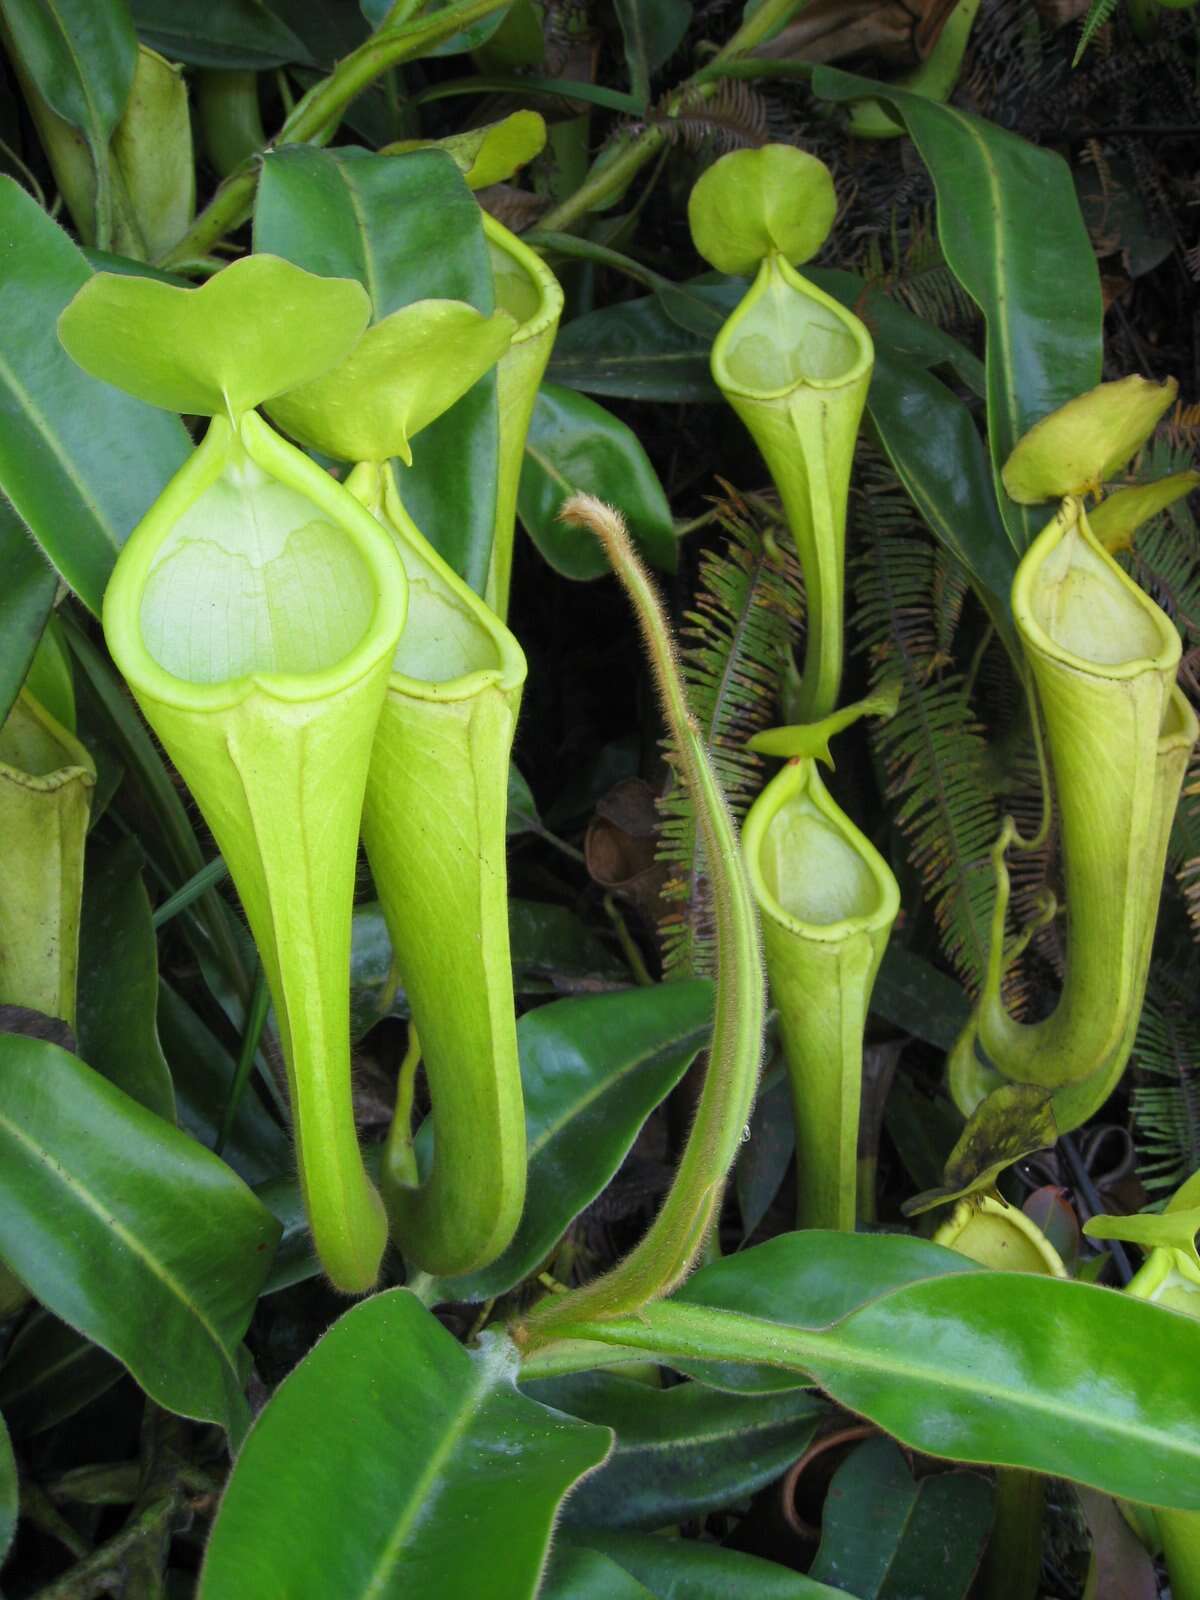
575	446
407	227
202	1071
1009	1368
25	603
128	1230
118	980
80	55
222	348
913	994
218	33
885	1536
634	351
685	1569
474	1470
593	1069
767	1153
578	1574
1014	237
931	440
652	30
679	1452
49	1373
9	1496
80	462
552	949
808	1280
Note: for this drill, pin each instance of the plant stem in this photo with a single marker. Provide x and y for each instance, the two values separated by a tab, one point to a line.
677	1235
1012	1565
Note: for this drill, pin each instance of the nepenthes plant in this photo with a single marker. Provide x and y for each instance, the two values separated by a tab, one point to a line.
555	1210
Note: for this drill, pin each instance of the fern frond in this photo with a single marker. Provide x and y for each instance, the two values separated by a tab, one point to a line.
1099	12
735	117
933	749
1166	1110
913	271
735	646
1183	852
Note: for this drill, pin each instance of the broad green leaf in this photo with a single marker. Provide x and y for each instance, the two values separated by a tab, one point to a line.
392	1461
552	949
80	463
25	603
577	1574
118	979
49	1373
80	56
50	680
902	334
808	1280
202	1071
9	1496
913	994
764	1158
679	1452
652	30
125	1228
408	228
1013	235
1003	1367
224	347
885	1536
218	33
593	1069
685	1569
931	440
522	807
633	351
575	446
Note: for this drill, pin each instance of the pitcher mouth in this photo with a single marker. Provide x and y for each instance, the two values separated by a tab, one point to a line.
788	334
823	879
1074	604
205	639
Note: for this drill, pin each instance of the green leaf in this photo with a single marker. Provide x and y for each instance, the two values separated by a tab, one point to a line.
128	1230
80	55
896	329
25	604
683	1569
575	446
680	1452
808	1280
652	30
931	440
9	1495
553	949
202	1071
913	994
474	1471
764	1159
593	1069
80	463
50	1372
218	33
1013	235
633	351
886	1537
335	212
1002	1367
118	979
576	1574
224	347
